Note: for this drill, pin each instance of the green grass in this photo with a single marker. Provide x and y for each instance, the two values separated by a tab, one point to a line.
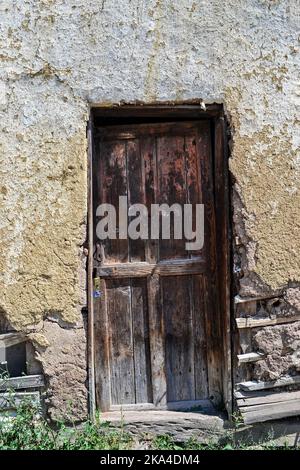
28	430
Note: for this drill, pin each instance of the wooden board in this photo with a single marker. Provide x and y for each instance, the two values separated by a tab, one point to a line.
141	344
250	357
268	412
259	322
262	406
102	349
157	342
248	399
200	341
121	341
112	183
252	385
171	188
10	339
178	317
163	268
243	344
223	237
136	193
243	300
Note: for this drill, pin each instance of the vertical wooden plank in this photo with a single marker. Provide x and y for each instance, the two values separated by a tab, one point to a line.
194	196
142	365
172	188
210	288
193	181
179	338
243	343
136	193
112	184
121	342
102	370
156	323
200	340
221	178
157	343
149	157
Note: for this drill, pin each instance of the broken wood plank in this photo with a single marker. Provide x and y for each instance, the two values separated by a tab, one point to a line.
121	353
10	401
282	382
270	412
251	322
175	179
27	381
203	406
10	339
247	399
102	359
250	357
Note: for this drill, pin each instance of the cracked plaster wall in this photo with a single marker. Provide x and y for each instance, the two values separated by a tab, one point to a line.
59	56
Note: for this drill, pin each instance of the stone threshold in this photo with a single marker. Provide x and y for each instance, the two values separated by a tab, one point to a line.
179	425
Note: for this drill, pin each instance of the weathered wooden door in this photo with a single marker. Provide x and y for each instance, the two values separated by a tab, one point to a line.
156	326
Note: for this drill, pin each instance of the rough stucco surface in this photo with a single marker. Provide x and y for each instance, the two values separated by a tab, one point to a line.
59	56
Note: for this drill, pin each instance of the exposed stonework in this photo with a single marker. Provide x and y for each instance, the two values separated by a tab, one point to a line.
61	352
58	57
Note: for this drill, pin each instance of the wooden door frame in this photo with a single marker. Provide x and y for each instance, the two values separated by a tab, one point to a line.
187	110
